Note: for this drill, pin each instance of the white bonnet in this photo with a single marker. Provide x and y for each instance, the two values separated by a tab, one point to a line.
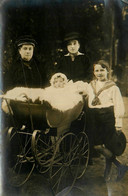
58	75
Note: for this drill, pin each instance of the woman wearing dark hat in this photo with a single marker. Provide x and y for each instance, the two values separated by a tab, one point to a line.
25	70
75	65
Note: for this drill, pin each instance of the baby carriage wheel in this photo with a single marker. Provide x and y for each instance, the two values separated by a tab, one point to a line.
66	163
82	153
42	150
20	163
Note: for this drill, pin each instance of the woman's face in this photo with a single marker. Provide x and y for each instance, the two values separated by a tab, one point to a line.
100	73
73	46
26	52
58	82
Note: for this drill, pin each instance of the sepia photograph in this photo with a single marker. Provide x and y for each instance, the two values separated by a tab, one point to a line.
63	97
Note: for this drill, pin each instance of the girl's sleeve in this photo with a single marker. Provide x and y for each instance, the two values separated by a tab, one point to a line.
119	109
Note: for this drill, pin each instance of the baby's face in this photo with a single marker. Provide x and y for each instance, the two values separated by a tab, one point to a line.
59	82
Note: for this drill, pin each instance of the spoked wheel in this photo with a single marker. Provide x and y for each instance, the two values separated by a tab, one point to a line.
66	162
43	150
82	155
20	160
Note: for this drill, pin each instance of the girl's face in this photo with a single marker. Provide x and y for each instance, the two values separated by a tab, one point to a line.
58	82
100	72
73	46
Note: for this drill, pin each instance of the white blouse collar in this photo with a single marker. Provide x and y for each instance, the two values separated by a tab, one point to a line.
79	53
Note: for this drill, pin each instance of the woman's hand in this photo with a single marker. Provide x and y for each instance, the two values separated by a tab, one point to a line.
22	97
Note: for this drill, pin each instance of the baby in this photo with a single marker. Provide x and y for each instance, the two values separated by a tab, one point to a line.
58	80
65	100
63	94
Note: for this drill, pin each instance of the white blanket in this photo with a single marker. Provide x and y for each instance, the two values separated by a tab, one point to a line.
61	99
66	103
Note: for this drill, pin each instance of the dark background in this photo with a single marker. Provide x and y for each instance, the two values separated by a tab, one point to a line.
48	22
100	23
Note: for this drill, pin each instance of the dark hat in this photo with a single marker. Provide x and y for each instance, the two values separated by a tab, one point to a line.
25	40
72	36
118	143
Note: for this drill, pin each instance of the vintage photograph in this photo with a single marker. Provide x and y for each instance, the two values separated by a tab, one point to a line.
64	97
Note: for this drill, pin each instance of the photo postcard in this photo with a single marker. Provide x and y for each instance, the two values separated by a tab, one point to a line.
64	97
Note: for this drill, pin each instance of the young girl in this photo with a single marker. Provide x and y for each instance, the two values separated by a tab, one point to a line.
106	110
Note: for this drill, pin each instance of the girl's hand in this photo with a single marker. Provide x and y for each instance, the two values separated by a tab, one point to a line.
81	87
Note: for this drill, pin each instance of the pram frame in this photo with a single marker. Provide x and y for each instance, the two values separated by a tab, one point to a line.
38	160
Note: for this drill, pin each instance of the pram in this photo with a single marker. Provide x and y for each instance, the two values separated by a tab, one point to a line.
32	142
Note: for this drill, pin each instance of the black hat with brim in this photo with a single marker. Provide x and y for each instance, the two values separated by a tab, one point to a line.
71	36
117	143
26	40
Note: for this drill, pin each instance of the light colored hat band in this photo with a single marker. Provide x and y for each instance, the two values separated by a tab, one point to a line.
26	43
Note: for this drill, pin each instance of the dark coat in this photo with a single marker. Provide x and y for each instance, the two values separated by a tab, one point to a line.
24	74
79	69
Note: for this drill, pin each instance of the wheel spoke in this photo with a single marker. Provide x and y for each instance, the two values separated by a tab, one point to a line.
20	164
